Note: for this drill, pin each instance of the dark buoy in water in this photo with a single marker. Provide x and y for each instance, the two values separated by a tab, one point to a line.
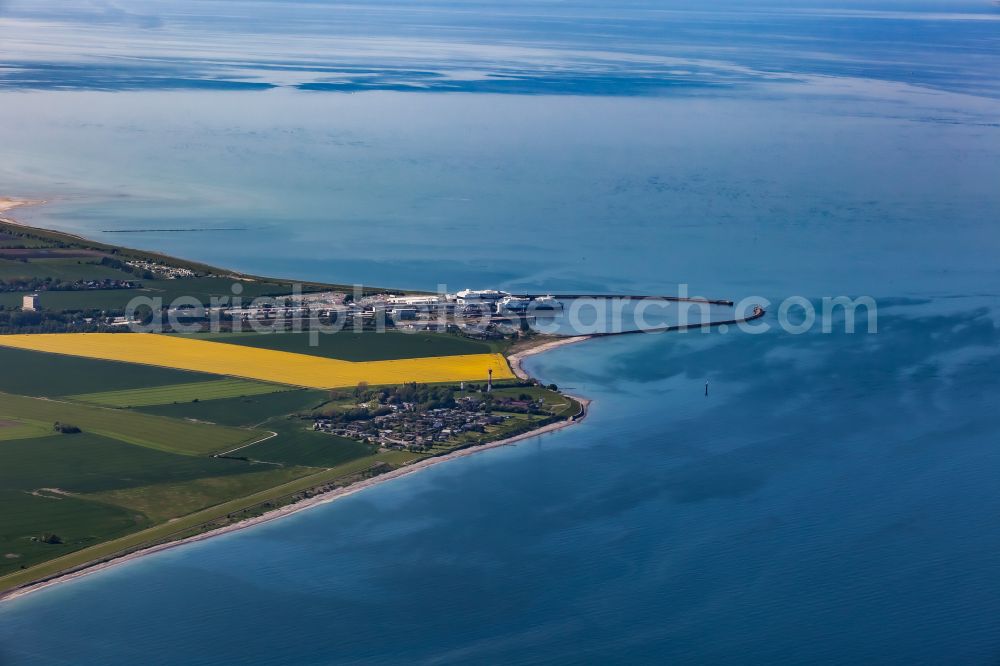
706	388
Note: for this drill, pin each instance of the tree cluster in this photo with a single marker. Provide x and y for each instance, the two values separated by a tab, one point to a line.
17	321
65	428
56	284
424	396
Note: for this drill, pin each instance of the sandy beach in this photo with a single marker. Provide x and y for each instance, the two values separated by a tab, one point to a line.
324	498
516	358
10	203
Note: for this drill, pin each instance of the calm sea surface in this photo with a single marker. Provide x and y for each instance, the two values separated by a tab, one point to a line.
835	498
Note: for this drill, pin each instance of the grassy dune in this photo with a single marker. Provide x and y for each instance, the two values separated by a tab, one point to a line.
11	428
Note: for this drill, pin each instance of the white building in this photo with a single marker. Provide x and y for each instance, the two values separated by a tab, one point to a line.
29	302
413	300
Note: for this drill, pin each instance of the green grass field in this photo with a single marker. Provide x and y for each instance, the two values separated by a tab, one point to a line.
11	428
86	462
296	444
243	411
43	482
163	501
87	489
49	375
202	289
154	432
75	301
67	270
26	518
180	393
350	346
8	240
181	526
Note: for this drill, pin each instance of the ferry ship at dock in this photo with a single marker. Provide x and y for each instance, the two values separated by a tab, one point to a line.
522	304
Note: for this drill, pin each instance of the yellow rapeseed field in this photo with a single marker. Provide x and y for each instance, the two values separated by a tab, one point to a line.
262	364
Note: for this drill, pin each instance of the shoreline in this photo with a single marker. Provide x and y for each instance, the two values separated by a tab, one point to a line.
323	498
10	203
514	360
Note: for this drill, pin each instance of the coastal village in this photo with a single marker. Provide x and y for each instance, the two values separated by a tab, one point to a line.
406	428
416	418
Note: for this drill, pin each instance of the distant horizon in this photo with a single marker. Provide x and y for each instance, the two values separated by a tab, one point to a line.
519	47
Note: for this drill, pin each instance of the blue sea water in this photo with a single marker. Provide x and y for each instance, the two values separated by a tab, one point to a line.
833	500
